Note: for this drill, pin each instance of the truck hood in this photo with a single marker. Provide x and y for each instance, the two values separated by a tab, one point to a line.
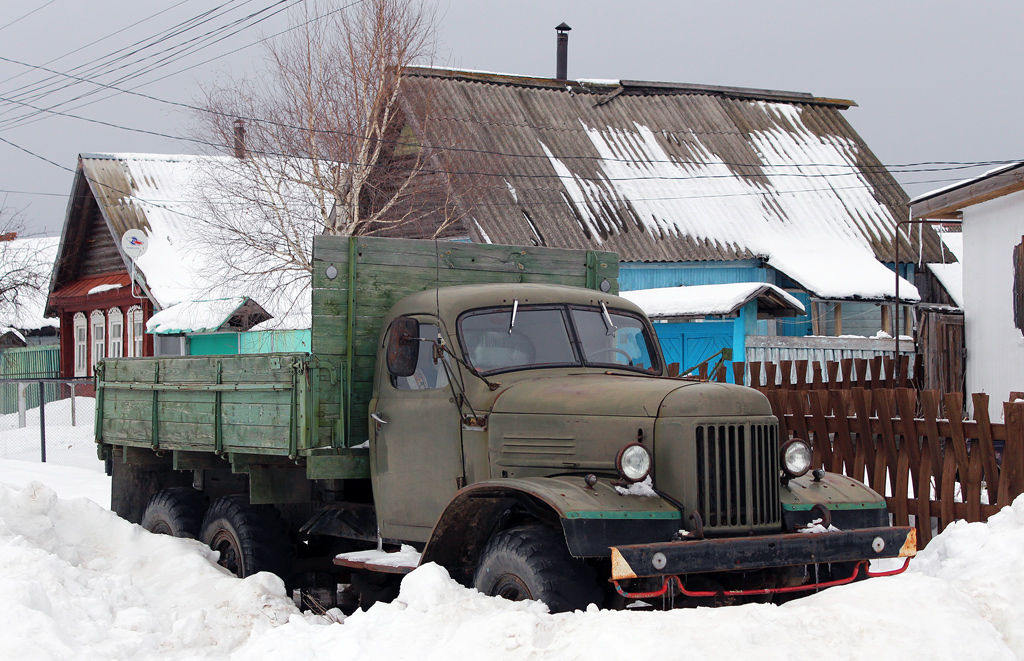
627	396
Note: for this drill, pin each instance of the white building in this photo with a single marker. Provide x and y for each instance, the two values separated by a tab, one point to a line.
991	209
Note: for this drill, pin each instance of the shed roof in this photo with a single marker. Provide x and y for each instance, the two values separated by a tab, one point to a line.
949	201
714	300
667	172
233	314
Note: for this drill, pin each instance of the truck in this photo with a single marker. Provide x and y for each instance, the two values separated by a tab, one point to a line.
497	410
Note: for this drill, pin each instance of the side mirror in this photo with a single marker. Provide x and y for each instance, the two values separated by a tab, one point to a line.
403	352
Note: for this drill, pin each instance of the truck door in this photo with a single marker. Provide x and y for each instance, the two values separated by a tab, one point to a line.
415	444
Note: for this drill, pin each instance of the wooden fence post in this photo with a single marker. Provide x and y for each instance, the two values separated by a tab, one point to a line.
988	449
1012	478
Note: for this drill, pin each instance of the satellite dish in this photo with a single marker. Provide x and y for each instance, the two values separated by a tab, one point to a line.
134	243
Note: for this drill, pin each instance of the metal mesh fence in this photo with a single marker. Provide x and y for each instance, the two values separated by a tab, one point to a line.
60	433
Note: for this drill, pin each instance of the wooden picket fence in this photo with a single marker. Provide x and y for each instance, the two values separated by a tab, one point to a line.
926	465
882	372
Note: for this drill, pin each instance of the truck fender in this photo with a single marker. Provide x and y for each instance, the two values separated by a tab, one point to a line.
847	503
592	518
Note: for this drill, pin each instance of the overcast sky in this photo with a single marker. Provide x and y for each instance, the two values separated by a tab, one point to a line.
933	79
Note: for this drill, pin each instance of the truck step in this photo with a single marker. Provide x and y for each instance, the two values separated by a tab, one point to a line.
402	561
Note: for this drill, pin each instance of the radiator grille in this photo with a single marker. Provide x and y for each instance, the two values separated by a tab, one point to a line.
738	475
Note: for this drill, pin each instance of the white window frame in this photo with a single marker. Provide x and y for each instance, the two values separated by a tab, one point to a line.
80	337
115	333
135	336
98	336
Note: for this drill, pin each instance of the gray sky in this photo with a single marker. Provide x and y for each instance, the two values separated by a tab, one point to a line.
933	79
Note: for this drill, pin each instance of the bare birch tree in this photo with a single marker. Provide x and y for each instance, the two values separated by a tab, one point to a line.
24	267
316	135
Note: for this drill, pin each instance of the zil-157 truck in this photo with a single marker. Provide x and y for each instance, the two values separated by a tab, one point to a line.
503	412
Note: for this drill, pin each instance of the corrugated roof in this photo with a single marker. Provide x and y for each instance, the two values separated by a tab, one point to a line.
169	197
663	172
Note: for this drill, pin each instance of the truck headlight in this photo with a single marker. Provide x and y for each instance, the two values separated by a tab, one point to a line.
795	457
633	462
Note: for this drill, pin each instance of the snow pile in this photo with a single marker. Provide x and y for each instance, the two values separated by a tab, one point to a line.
82	583
985	561
77	582
195	316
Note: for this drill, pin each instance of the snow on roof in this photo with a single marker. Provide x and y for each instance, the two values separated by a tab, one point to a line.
951	276
816	237
174	194
38	254
704	300
197	316
4	330
966	182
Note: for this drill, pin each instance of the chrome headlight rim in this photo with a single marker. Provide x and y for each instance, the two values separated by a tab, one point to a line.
623	459
790	472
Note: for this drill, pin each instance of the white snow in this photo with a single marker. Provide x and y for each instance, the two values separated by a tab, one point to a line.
194	316
644	489
952	275
809	216
76	582
700	300
99	289
406	556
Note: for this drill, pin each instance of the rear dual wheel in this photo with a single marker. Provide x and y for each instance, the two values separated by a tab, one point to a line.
177	511
249	538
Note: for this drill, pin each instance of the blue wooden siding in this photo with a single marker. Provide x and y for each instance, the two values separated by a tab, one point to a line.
219	344
650	275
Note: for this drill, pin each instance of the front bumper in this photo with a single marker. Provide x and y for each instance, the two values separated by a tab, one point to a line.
701	556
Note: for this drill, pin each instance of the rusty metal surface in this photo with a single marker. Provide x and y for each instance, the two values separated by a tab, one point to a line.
761	552
372	566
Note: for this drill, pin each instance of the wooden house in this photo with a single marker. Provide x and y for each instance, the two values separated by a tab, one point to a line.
692	185
105	300
990	209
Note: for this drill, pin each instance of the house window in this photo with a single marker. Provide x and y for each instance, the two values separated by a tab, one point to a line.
135	331
81	345
1018	285
99	336
115	333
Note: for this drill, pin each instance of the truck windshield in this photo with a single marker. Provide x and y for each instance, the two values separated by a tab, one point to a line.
554	336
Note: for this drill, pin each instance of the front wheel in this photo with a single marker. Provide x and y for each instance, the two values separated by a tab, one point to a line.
532	562
249	538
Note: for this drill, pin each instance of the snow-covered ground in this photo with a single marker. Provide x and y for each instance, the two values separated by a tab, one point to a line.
77	582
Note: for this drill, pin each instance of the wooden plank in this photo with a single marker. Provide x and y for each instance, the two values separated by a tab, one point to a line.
822	445
738	373
930	406
988	451
800	380
897	478
833	374
923	502
786	371
755	375
947	491
1012	476
770	374
852	455
911	445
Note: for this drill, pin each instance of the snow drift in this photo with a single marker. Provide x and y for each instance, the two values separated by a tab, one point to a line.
78	582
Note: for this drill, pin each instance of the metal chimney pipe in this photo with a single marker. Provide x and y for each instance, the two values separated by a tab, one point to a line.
239	138
562	55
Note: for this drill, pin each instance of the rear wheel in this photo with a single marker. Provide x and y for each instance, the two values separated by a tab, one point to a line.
249	538
177	511
532	562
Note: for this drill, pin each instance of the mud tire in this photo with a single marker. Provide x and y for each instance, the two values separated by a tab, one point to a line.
249	538
177	511
532	562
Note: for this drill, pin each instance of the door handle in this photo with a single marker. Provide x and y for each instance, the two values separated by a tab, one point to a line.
378	419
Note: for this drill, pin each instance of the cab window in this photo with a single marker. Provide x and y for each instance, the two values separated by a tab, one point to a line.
613	338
